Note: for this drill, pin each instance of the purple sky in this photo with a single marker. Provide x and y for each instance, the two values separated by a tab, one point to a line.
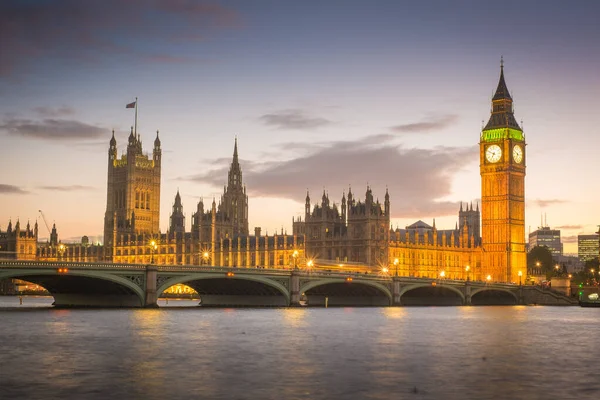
319	94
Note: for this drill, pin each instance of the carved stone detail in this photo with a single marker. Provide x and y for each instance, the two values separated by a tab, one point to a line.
284	282
136	279
162	279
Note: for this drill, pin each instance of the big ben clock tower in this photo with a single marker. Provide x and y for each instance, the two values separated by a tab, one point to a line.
502	169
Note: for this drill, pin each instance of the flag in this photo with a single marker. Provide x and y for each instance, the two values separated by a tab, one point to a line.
130	105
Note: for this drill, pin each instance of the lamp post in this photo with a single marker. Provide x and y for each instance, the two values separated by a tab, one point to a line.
61	251
309	264
396	262
537	264
205	257
488	278
520	275
295	256
153	247
467	269
442	274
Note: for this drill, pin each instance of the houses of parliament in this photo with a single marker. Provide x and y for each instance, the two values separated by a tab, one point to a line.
487	242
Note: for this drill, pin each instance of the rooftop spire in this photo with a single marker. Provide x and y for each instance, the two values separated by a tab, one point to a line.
502	91
502	113
235	153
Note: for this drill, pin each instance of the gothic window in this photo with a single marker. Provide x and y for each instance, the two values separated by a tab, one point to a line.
147	201
137	199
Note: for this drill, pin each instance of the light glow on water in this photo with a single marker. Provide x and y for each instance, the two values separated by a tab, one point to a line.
497	352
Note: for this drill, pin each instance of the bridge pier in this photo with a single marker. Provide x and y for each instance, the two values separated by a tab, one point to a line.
396	292
468	293
151	298
295	289
521	301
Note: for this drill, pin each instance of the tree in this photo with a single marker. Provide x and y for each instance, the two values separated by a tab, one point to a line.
540	259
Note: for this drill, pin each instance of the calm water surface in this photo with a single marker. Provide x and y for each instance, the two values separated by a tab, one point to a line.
335	353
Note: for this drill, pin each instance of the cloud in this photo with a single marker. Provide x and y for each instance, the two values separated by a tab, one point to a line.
418	179
94	30
54	112
569	239
435	123
11	189
543	203
52	129
70	188
570	227
293	119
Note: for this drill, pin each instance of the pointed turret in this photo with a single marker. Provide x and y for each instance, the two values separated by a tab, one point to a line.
131	139
113	141
307	206
502	115
177	216
157	140
235	152
502	90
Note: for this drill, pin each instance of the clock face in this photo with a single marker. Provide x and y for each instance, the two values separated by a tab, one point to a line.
517	154
493	153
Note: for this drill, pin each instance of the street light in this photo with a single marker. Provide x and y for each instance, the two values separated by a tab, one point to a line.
467	269
61	251
205	256
488	278
153	247
396	262
520	275
295	256
442	274
385	270
309	264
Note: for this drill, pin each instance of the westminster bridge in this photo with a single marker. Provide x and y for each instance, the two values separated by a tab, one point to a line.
75	284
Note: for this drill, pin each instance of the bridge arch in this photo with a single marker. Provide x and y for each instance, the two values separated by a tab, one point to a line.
437	289
212	299
70	289
379	288
512	300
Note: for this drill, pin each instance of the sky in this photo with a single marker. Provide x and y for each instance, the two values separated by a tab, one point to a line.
320	95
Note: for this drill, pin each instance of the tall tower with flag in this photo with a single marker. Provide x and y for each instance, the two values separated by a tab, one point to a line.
133	188
502	170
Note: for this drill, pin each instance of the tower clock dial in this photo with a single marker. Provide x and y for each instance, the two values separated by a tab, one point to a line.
517	154
493	153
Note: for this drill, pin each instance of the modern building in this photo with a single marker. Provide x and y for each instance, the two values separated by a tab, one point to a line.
587	247
544	236
487	243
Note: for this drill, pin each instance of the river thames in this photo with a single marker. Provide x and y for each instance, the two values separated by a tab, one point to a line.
316	353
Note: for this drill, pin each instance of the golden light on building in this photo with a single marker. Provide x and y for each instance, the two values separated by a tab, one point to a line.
180	288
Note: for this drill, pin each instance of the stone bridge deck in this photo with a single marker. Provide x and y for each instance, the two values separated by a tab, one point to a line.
136	285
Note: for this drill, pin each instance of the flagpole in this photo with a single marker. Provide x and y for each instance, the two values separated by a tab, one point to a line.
136	102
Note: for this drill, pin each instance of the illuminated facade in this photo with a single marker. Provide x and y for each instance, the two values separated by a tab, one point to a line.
487	243
358	232
587	247
502	169
17	243
218	236
132	190
544	236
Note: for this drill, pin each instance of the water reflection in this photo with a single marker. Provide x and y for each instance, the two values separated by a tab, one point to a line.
313	353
